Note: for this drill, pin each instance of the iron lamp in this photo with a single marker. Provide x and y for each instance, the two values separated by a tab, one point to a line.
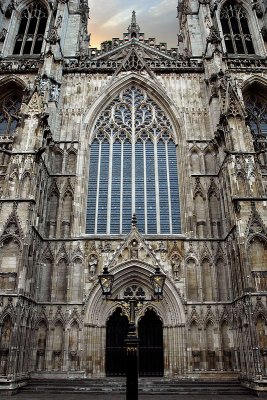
157	282
106	281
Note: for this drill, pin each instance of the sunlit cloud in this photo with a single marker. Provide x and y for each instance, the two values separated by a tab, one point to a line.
157	18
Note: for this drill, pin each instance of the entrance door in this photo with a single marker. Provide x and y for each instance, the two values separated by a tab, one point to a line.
150	333
117	329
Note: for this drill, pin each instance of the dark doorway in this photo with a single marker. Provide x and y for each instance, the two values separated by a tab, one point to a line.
150	333
117	329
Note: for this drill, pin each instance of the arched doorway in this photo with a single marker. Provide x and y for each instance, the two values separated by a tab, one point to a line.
150	332
117	328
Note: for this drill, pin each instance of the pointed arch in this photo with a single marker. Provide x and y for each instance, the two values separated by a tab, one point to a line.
195	341
61	280
134	138
5	343
200	213
45	280
222	279
10	254
25	185
227	345
210	346
255	98
10	104
77	280
170	309
195	161
52	212
215	213
66	214
192	280
257	253
236	28
74	339
71	161
41	335
210	161
160	98
57	160
57	346
207	279
32	27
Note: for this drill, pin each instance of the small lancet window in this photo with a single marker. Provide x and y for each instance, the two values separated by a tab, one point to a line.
31	31
9	108
256	107
235	27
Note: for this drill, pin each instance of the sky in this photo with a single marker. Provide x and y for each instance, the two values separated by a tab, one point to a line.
111	18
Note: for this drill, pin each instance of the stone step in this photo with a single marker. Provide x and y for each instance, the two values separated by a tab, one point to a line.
161	386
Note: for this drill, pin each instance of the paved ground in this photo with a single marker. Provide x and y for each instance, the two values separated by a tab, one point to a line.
82	396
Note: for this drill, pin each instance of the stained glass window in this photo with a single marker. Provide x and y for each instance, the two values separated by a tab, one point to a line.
235	29
133	168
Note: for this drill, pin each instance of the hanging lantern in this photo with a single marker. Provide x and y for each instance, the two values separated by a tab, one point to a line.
157	281
106	281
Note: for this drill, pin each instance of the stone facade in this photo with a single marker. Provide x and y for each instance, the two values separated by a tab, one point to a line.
214	309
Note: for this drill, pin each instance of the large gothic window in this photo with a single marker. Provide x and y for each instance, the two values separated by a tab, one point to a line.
235	29
31	31
9	108
256	108
133	169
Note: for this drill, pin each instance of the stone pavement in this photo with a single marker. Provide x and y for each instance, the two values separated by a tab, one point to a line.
114	396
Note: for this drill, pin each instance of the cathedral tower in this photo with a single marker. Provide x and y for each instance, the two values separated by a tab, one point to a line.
90	137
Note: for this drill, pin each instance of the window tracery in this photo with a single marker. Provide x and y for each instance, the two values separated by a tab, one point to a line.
9	108
31	31
256	108
133	168
236	32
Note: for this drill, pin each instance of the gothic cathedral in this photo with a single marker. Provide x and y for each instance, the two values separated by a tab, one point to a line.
132	157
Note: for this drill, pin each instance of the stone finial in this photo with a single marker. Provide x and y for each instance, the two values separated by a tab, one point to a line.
134	28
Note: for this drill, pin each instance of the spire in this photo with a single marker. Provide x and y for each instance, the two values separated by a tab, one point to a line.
134	28
133	23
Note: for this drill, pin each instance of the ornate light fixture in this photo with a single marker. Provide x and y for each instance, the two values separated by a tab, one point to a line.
157	281
106	281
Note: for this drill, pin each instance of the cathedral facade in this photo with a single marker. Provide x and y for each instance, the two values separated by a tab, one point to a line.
176	138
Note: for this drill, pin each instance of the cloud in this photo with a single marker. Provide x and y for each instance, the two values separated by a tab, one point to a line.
123	17
163	7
